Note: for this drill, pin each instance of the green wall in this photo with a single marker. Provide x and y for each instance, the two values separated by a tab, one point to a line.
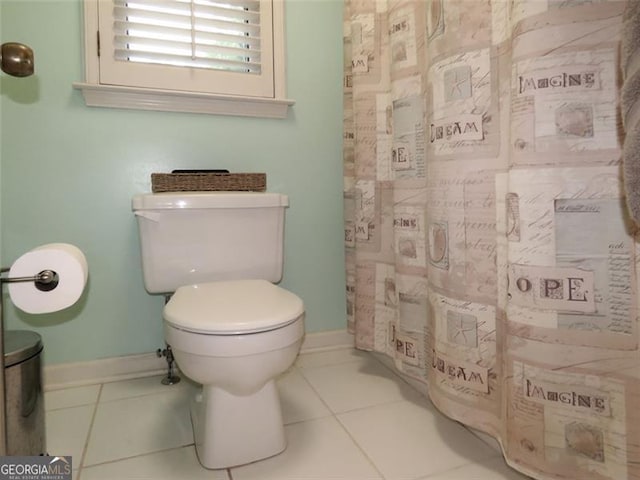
68	173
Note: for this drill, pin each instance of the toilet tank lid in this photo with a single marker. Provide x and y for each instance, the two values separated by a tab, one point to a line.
180	200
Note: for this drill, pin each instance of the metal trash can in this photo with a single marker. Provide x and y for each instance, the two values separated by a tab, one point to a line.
23	390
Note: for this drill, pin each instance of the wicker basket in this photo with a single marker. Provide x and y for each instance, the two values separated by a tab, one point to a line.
204	182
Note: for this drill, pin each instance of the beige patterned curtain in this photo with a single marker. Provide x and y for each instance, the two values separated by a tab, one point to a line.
489	251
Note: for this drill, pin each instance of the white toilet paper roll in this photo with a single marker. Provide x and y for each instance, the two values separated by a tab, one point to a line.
66	260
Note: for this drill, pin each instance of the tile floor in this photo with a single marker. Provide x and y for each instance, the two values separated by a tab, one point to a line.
347	416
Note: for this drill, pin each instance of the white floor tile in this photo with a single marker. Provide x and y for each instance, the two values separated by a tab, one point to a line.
317	450
488	439
298	400
71	397
67	431
357	384
141	386
493	469
139	425
406	440
177	464
382	429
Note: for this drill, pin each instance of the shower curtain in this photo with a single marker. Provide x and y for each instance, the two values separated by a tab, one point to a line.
489	250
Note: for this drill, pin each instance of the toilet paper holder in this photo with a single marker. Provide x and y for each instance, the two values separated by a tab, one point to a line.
44	281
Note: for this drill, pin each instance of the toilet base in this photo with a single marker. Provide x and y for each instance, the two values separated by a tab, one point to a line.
232	430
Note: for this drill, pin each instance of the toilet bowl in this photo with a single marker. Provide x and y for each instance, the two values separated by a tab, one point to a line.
218	255
235	338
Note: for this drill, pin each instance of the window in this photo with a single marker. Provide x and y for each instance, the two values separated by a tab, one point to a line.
203	56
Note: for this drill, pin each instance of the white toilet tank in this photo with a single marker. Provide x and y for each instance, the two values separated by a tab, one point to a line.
195	237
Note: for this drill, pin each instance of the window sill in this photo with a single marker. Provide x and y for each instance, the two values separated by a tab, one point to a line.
176	101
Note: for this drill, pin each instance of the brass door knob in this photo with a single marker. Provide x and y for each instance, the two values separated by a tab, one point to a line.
17	59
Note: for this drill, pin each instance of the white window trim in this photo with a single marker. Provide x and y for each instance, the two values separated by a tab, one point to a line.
99	95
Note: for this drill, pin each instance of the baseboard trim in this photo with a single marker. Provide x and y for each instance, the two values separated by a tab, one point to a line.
329	340
77	374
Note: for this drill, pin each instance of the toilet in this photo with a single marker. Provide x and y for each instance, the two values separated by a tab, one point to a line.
218	255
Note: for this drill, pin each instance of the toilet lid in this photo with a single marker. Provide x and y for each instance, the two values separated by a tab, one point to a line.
232	307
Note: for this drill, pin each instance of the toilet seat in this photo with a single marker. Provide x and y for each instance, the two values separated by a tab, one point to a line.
232	307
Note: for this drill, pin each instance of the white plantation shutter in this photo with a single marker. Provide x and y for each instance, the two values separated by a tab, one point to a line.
204	34
208	46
